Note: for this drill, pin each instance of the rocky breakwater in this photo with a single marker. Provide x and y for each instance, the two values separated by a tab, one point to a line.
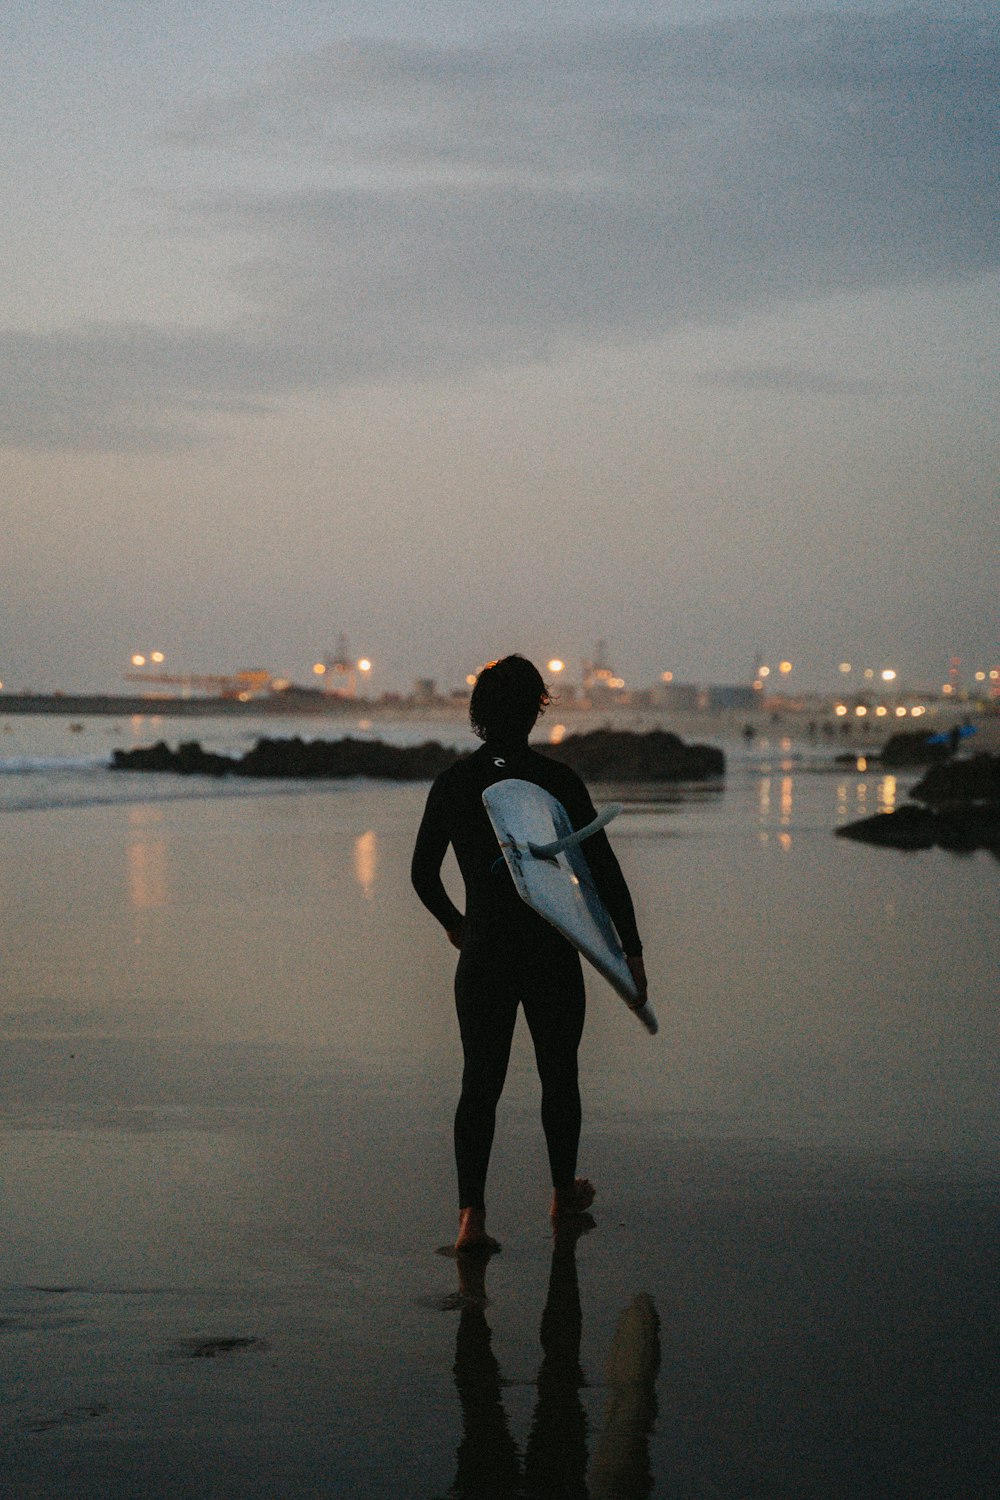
604	755
621	755
295	758
955	806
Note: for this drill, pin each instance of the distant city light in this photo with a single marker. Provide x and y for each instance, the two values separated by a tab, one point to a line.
555	665
764	672
364	665
666	676
845	666
861	710
888	675
995	675
946	687
900	713
470	680
869	673
785	667
138	661
319	668
840	710
156	656
881	711
916	712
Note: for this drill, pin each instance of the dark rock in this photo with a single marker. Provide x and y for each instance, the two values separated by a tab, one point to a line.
958	828
605	755
347	757
621	755
329	759
912	748
906	828
974	780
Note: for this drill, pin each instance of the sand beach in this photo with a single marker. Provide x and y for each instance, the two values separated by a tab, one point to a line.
229	1061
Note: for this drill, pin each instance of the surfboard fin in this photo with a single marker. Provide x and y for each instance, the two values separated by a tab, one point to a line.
549	851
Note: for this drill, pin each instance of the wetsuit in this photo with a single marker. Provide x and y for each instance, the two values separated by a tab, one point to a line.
510	955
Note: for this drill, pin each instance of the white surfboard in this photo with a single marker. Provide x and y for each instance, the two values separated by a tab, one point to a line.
550	872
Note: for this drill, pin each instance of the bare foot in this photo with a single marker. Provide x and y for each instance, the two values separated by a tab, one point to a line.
574	1200
472	1232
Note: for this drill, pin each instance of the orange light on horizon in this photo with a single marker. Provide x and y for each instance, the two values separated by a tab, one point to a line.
666	676
364	665
845	666
861	710
840	710
764	672
784	668
156	656
888	675
319	668
138	660
555	665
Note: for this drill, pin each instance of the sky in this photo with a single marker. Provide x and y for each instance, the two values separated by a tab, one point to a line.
461	328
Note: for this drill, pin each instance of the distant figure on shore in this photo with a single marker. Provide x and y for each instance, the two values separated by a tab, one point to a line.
509	955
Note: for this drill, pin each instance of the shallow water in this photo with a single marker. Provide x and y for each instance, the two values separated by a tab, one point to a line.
228	1061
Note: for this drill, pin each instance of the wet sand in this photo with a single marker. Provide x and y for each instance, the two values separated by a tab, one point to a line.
228	1063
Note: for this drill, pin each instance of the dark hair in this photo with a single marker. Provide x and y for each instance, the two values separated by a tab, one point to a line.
508	697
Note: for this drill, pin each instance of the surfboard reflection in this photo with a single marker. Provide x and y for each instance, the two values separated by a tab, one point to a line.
555	1461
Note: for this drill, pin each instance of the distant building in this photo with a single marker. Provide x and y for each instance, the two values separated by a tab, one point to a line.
677	697
736	699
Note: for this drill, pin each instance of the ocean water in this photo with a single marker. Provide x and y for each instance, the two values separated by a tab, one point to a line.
228	1063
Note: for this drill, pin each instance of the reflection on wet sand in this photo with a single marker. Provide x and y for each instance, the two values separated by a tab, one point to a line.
488	1465
366	861
146	854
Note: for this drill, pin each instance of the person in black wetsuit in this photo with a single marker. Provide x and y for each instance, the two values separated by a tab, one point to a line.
509	954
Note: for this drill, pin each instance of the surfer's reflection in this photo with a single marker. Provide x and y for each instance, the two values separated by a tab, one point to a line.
554	1465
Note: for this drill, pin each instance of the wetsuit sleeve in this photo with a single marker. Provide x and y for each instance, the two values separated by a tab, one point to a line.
607	872
429	851
614	892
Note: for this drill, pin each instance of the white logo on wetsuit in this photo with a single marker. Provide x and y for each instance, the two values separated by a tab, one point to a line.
499	761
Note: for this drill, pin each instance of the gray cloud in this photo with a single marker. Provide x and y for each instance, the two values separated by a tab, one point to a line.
478	205
783	379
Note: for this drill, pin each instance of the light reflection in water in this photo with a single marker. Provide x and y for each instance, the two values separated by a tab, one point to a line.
557	734
146	861
786	801
366	861
887	794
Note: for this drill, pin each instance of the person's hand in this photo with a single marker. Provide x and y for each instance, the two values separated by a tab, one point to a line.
637	969
455	934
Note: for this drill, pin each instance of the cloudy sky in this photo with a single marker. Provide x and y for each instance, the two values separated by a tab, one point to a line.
459	330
